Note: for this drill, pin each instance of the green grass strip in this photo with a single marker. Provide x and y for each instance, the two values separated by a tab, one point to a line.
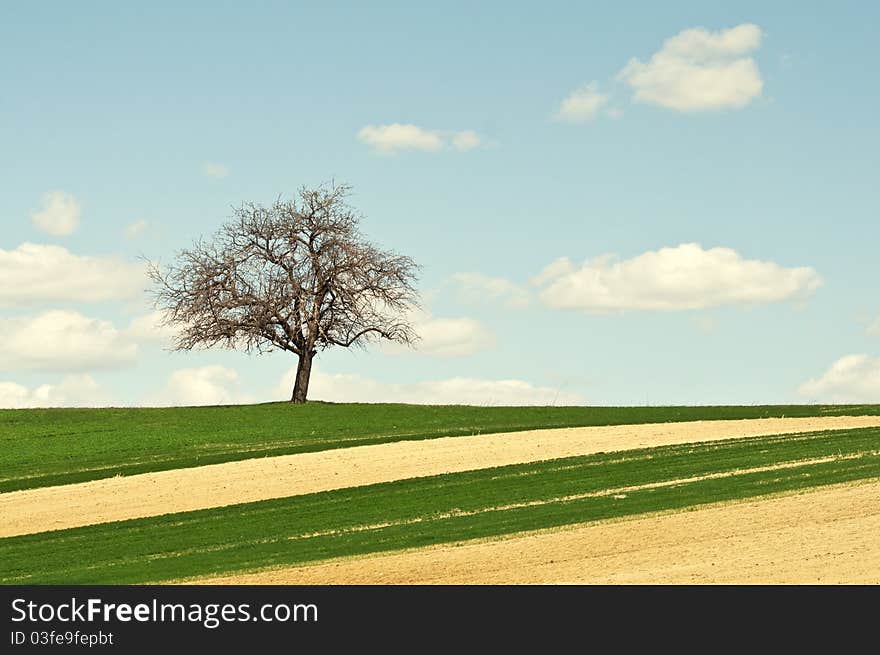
43	447
432	510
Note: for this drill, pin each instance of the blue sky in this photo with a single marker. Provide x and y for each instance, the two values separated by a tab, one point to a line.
487	142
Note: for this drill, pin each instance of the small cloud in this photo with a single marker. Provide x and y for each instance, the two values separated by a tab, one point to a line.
851	379
134	230
217	171
582	105
670	279
72	391
477	288
208	385
35	272
699	70
615	113
58	214
398	137
445	338
453	337
389	139
151	328
466	140
874	329
555	269
63	340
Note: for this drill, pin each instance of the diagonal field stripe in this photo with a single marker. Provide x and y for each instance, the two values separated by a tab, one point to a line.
825	536
218	485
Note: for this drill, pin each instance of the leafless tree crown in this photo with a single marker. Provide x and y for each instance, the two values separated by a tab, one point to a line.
297	275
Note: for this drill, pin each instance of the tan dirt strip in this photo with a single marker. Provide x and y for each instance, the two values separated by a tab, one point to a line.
217	485
824	536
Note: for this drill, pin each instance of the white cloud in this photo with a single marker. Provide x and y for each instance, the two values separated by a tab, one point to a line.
874	329
851	379
446	338
582	105
60	340
398	137
466	140
699	43
477	288
217	171
453	337
389	139
34	272
558	268
684	277
453	391
72	391
698	70
134	230
150	328
58	215
208	385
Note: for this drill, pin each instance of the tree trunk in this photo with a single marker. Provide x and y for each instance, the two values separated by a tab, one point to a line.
303	373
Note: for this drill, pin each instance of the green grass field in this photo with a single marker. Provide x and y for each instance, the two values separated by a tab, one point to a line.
60	446
440	509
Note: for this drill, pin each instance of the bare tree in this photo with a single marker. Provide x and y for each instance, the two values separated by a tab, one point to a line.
296	276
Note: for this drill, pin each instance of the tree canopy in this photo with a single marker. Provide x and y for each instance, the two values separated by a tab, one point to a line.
297	275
